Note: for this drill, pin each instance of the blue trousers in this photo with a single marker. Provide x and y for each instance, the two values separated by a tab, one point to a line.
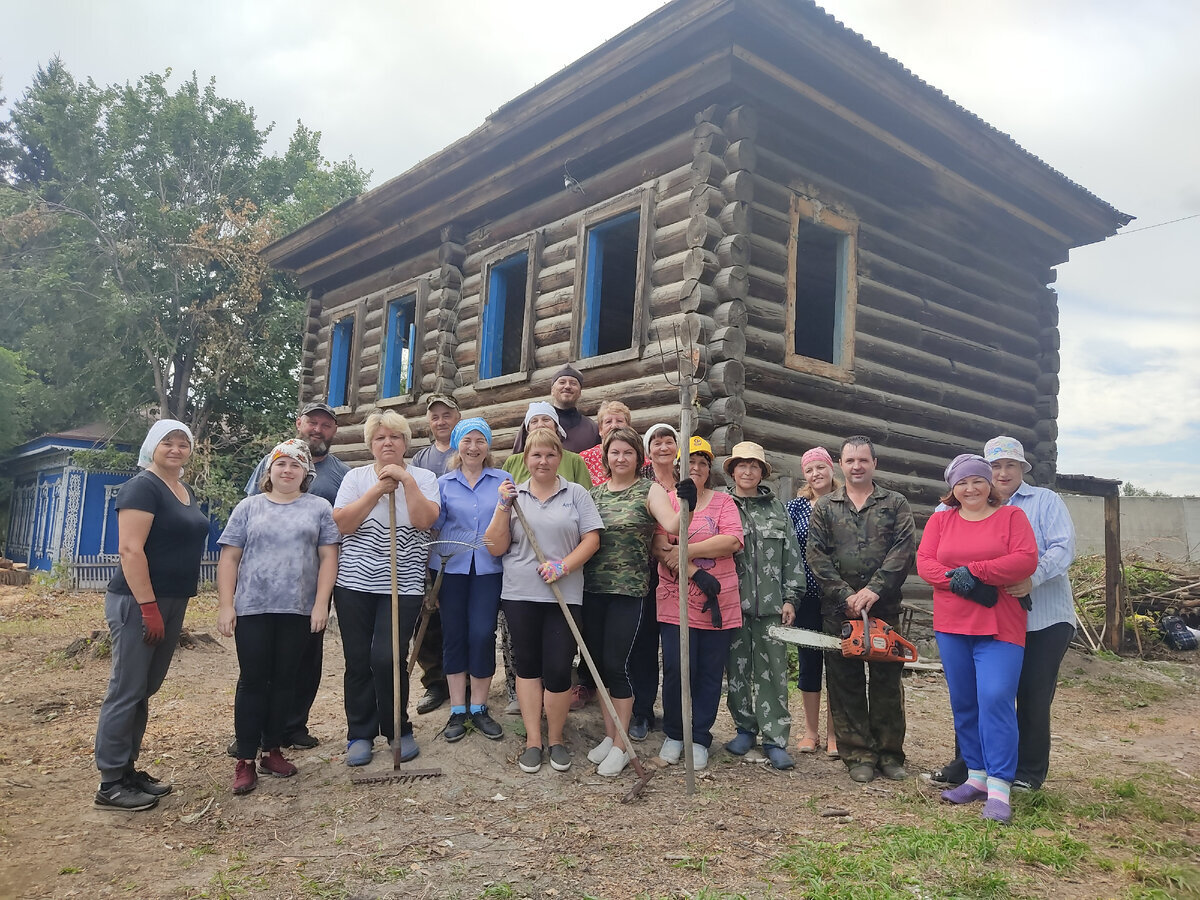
707	653
469	605
982	674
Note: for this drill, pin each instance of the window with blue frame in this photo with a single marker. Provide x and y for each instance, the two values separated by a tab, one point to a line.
610	285
401	338
502	341
341	345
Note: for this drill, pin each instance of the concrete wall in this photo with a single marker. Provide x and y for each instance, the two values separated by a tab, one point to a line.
1150	526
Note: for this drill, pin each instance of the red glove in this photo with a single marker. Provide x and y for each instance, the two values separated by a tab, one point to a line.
153	627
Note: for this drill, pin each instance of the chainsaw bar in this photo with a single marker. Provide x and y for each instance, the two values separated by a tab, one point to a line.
406	776
804	637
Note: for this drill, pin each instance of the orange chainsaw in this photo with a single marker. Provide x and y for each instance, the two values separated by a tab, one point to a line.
871	640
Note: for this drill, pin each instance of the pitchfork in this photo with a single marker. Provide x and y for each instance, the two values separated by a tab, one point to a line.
689	372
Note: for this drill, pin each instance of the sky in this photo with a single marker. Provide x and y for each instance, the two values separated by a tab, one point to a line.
1105	91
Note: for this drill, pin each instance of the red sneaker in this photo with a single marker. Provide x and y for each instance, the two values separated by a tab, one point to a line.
273	763
245	779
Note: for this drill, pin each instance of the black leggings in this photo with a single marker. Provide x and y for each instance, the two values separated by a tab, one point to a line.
269	647
811	660
543	646
610	624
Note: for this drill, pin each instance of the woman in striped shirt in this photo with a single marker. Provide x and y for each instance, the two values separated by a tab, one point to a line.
364	582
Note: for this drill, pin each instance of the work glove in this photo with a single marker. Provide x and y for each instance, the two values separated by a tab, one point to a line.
153	628
506	496
961	580
687	493
966	585
711	588
1026	602
552	570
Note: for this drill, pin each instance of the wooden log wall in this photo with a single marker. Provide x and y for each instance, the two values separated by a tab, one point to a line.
954	343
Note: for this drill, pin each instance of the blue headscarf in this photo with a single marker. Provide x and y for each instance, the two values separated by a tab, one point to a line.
466	425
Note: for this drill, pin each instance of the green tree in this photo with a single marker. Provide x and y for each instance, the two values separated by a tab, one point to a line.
131	223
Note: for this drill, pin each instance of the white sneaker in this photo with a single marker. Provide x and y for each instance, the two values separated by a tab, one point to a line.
671	751
699	757
600	752
614	763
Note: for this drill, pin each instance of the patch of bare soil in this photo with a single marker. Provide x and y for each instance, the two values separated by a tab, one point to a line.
483	829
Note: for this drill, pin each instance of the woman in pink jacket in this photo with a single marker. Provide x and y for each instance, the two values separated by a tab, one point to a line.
969	552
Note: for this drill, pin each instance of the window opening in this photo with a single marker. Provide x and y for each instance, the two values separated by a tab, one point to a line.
610	285
504	317
398	357
339	361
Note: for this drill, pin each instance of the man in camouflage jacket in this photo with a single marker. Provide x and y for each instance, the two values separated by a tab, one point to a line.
770	580
861	542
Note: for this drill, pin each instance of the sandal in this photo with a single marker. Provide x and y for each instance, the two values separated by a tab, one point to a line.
831	751
807	745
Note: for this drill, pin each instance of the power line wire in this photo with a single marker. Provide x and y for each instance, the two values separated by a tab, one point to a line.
1157	225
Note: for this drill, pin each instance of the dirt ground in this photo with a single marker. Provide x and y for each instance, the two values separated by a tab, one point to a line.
484	829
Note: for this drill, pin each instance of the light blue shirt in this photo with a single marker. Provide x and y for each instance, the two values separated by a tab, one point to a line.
466	513
1053	601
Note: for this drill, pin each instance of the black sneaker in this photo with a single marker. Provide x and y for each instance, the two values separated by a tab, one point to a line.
146	783
301	741
560	757
486	725
530	760
639	728
122	796
456	728
434	698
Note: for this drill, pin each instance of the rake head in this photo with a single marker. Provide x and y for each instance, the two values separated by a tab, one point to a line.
404	776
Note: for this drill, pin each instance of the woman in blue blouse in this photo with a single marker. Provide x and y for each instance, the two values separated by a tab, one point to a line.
470	592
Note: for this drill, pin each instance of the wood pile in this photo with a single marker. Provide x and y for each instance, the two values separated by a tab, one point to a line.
1151	588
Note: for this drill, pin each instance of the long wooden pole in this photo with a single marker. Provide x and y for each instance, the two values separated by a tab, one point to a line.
685	520
397	655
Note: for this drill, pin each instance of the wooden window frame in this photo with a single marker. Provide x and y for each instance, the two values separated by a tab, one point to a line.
349	389
815	213
418	289
531	246
640	201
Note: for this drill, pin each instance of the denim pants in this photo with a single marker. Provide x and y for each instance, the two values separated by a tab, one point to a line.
707	653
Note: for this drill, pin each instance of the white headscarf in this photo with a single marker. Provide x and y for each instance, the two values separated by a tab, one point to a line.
542	408
158	431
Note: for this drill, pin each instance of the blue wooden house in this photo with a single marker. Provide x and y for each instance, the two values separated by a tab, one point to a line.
61	512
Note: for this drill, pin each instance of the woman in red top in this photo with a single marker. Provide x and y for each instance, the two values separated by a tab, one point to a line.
968	553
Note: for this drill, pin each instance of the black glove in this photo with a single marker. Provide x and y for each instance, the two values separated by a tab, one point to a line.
984	594
711	588
686	492
961	581
1026	602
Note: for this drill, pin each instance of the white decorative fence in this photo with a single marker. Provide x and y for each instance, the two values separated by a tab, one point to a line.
92	573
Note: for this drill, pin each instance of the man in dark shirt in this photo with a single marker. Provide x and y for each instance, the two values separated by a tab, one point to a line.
566	387
861	543
317	426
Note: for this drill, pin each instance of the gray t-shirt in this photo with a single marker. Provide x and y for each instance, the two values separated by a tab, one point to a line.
279	541
558	524
433	459
330	472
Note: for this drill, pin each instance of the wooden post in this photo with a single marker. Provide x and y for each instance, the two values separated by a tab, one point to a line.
1113	574
686	397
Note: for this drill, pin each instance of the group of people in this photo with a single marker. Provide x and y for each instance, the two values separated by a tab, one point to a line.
578	532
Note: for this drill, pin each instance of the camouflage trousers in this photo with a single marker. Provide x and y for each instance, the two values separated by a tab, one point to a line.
757	677
867	703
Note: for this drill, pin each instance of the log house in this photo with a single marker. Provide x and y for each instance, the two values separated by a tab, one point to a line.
858	252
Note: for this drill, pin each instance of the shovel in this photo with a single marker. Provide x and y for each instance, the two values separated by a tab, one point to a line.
643	773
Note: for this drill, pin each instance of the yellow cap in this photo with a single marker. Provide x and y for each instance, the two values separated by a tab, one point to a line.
699	445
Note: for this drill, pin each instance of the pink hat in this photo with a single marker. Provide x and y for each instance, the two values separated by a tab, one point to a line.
967	465
816	453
